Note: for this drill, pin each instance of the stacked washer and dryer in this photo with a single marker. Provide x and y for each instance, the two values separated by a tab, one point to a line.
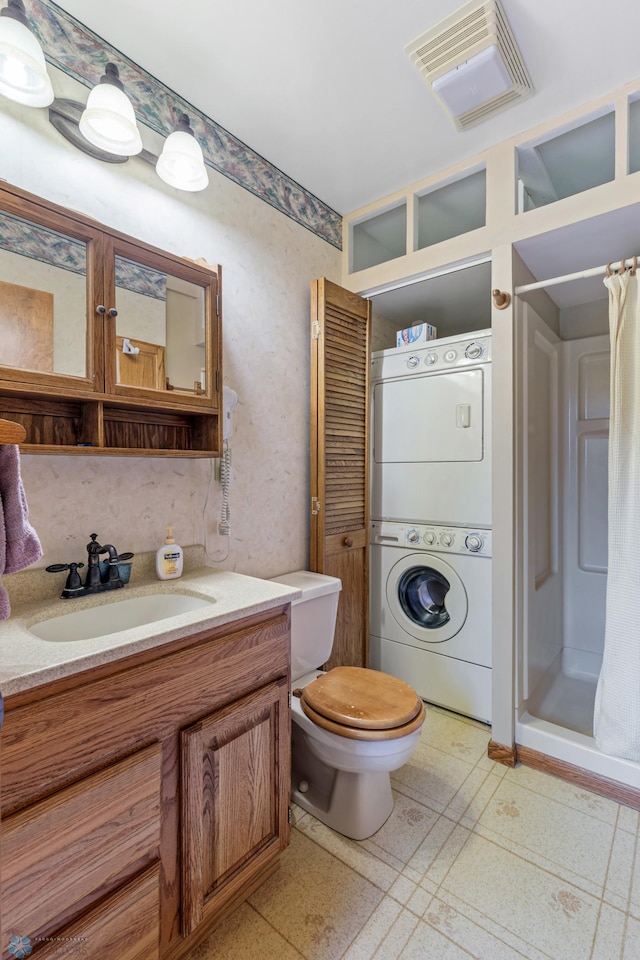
430	618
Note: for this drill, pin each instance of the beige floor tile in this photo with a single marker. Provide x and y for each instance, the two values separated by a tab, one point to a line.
468	935
447	855
631	949
620	873
430	848
426	941
461	802
450	734
628	819
352	853
563	792
609	937
316	902
395	941
405	829
571	843
433	777
374	931
236	939
479	802
514	895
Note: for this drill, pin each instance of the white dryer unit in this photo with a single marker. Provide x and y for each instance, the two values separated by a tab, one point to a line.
430	617
431	412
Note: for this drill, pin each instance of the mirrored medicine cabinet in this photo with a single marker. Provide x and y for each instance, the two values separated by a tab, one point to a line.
107	344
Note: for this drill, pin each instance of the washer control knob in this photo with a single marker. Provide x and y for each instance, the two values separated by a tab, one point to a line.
474	542
413	362
430	359
413	536
446	539
450	356
429	537
474	350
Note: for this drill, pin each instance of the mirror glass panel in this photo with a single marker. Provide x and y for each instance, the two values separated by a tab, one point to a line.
160	330
43	297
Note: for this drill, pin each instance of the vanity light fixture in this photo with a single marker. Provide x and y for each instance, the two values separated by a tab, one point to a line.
23	71
181	163
108	121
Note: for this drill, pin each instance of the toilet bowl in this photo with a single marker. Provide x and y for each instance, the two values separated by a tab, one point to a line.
351	726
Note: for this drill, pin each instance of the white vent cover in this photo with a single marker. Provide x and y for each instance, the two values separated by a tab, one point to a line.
472	63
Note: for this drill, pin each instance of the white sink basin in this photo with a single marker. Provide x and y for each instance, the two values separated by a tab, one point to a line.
111	618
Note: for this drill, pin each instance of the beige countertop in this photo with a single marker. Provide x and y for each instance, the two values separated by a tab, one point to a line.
27	661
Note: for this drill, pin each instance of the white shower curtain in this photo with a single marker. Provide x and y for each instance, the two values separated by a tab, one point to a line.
617	707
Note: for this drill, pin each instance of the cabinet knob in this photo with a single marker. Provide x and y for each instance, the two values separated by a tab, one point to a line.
348	541
101	309
113	312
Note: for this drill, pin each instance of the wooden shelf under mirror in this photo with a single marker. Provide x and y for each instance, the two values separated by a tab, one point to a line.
120	343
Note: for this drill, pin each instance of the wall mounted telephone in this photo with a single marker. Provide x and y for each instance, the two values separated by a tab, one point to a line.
229	401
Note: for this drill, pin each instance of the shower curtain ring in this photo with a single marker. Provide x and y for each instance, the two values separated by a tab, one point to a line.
634	267
608	270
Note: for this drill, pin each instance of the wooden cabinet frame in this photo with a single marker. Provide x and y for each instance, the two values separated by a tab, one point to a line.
94	413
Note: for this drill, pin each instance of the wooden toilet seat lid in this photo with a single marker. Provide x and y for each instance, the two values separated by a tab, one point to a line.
362	699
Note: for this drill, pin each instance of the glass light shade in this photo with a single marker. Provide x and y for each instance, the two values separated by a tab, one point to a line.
181	163
109	122
23	71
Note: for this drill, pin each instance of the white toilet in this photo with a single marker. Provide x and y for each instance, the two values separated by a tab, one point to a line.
351	726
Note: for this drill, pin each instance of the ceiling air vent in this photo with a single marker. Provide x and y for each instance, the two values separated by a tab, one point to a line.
472	63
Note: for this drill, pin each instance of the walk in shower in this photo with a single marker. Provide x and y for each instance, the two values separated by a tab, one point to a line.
563	391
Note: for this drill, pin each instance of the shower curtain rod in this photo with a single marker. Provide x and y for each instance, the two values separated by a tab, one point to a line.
592	272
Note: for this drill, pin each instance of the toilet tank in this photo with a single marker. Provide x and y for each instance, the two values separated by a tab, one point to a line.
313	619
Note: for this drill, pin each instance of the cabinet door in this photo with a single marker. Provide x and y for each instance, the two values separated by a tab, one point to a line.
235	777
161	337
340	323
50	335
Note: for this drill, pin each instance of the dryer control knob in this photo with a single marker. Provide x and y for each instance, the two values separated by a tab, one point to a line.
446	539
429	537
413	362
474	351
413	536
430	359
450	356
474	542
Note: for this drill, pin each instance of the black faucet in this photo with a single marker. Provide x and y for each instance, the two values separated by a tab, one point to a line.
92	584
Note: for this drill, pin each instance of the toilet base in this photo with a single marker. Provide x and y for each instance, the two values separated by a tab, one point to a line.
353	804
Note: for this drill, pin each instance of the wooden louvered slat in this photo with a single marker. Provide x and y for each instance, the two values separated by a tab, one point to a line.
340	458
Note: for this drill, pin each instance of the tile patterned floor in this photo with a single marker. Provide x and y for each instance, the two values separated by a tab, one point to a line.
476	860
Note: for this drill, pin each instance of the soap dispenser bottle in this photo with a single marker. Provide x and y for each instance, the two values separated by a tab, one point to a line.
169	558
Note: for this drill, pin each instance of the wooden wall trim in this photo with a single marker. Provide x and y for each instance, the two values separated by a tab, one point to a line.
502	753
603	786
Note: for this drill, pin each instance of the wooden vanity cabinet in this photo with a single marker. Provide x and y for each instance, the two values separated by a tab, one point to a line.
107	344
150	795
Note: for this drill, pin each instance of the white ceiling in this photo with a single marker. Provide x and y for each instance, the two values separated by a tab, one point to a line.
324	90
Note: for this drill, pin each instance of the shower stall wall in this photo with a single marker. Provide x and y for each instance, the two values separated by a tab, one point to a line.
563	557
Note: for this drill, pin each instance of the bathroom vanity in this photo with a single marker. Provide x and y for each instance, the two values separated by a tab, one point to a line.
145	786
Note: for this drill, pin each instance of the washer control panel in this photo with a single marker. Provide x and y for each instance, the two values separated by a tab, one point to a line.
429	538
435	355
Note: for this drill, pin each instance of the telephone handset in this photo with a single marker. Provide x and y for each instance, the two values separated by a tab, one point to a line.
229	401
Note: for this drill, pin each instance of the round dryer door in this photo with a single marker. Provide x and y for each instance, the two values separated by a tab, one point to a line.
427	598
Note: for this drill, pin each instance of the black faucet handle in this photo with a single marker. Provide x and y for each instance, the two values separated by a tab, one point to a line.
61	567
74	583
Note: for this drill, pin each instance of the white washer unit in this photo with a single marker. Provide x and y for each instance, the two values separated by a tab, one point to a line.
431	458
430	617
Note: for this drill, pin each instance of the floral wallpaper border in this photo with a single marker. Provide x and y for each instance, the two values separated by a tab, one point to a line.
39	243
81	54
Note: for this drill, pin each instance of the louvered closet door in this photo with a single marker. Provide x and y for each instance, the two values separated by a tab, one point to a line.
340	323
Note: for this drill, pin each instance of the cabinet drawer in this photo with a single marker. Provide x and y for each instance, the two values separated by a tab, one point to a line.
63	737
59	852
124	926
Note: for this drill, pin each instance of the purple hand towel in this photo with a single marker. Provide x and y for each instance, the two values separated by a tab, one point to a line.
19	544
